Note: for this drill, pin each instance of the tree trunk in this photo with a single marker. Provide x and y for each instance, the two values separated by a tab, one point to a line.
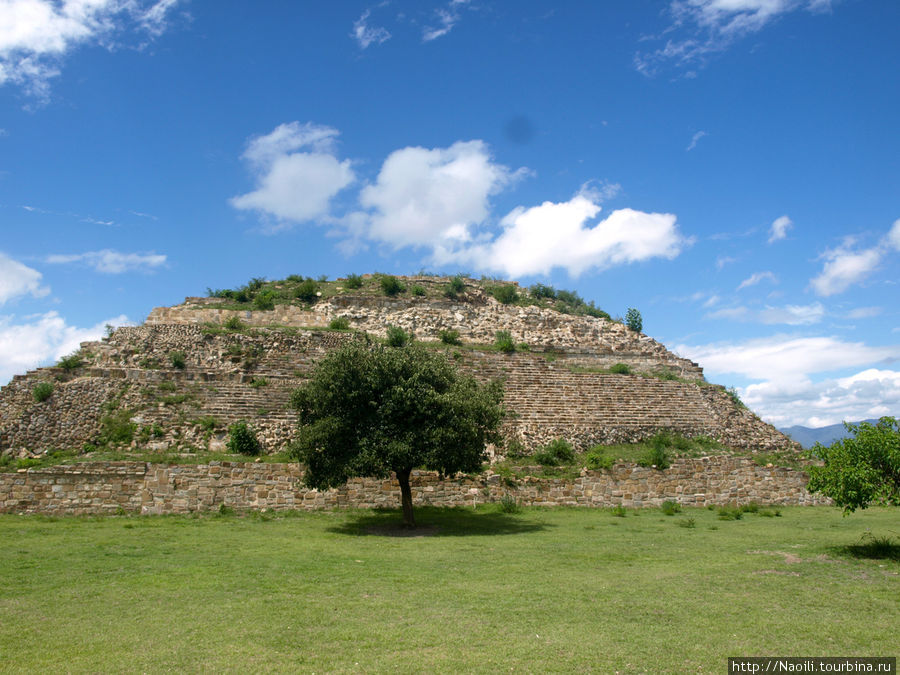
406	497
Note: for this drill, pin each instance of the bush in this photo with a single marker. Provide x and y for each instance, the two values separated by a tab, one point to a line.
730	513
307	290
540	291
258	382
656	457
505	294
340	323
515	449
619	511
70	362
508	504
418	291
42	391
597	459
503	342
450	337
234	323
397	337
117	427
242	440
264	300
633	320
556	452
670	507
391	286
353	281
177	360
620	369
735	397
455	287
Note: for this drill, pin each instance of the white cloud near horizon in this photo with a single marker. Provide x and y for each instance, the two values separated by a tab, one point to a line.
43	340
35	35
366	35
297	174
778	229
791	315
109	261
17	279
846	266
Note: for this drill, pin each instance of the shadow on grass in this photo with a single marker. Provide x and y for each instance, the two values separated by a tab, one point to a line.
871	547
437	522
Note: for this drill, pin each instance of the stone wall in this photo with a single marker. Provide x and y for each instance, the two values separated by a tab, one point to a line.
169	489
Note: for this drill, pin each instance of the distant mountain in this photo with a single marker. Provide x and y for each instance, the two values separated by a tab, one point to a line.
808	437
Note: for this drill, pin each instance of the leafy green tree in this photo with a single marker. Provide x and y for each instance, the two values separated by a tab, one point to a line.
371	409
633	320
863	469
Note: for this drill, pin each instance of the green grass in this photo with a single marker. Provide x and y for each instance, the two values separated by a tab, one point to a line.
564	590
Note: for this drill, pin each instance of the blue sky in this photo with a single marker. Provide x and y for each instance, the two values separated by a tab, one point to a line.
728	167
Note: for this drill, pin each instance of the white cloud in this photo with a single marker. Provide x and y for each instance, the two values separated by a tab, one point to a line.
366	35
779	228
757	277
845	267
893	236
447	19
425	197
701	28
43	340
696	137
36	34
295	187
871	393
784	357
112	262
864	312
17	279
537	239
723	260
791	315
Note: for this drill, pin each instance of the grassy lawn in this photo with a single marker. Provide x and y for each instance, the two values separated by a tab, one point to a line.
562	590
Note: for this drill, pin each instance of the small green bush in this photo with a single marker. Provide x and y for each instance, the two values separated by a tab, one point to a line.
117	427
456	286
208	423
633	320
353	281
177	360
730	513
515	449
167	385
656	456
556	452
242	440
505	294
42	391
597	459
70	362
503	342
670	507
258	382
307	290
340	323
735	397
397	337
690	523
418	291
450	337
620	369
619	511
234	323
264	300
173	399
391	286
540	291
508	504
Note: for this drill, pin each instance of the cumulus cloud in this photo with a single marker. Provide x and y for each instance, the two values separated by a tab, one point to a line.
757	277
845	267
365	34
537	239
43	339
791	315
297	174
17	279
429	196
779	228
109	261
701	28
35	35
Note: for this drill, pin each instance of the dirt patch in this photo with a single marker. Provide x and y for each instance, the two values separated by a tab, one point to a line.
789	558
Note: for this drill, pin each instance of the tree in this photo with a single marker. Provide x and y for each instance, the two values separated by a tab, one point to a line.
863	469
633	320
371	409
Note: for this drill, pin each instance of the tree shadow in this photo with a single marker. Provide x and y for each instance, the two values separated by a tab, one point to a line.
871	547
437	522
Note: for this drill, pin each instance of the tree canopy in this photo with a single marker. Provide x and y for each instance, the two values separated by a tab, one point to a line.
371	409
863	469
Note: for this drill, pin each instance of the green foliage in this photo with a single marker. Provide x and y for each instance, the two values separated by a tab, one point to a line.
391	286
633	320
117	427
42	391
503	342
307	290
515	449
540	291
556	452
234	323
670	507
456	286
597	459
167	385
450	337
339	323
508	504
657	455
264	300
730	513
860	470
369	409
353	281
177	360
688	523
174	399
242	440
505	294
619	511
258	382
418	291
397	337
620	369
71	362
735	397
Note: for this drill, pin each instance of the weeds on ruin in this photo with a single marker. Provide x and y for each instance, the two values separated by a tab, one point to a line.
41	391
